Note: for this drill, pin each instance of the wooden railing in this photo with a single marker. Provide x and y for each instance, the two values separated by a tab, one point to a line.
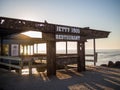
7	61
11	65
94	57
60	59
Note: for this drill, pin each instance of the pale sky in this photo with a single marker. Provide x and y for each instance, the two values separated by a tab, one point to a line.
96	14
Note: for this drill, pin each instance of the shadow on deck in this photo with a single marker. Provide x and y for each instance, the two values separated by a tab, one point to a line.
95	78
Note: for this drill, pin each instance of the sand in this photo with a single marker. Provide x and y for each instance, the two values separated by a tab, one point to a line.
94	78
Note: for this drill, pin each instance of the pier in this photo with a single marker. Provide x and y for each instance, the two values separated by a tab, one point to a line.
23	50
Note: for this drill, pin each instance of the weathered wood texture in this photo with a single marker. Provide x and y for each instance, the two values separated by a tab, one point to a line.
51	58
65	60
81	56
10	26
94	48
93	33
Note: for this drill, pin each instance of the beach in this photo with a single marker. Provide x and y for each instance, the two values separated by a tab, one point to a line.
94	78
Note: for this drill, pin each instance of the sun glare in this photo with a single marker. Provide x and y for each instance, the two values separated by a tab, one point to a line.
33	34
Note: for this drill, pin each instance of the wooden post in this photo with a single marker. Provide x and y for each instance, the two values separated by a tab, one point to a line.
10	65
21	65
30	67
81	56
94	47
51	58
96	57
78	60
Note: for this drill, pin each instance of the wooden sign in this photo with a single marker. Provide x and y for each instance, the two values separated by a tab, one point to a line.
67	33
67	37
65	29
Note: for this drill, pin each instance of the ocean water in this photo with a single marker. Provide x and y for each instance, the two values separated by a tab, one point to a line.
104	56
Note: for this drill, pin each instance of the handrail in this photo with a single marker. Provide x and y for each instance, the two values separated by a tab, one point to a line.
9	64
11	58
92	55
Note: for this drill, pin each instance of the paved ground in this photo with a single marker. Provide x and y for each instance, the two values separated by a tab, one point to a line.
95	78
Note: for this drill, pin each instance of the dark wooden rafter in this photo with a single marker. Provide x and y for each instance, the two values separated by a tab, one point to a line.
92	33
10	26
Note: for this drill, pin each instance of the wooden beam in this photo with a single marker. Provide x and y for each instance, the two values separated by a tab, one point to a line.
11	58
10	65
51	58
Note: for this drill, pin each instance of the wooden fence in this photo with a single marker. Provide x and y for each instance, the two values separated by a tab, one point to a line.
21	61
59	60
94	58
11	65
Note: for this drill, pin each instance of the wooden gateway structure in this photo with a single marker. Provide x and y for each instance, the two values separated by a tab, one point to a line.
15	46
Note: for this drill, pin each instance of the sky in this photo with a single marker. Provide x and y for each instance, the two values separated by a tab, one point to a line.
96	14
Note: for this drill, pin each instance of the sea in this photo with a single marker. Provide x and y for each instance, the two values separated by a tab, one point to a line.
105	55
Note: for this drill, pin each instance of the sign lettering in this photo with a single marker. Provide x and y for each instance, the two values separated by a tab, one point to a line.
67	37
67	33
68	29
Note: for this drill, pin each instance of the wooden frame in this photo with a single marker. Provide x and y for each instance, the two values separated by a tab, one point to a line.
51	34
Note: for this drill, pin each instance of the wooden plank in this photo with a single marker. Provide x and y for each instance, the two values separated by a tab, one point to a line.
89	55
19	25
89	60
11	58
30	67
35	66
10	65
66	61
63	57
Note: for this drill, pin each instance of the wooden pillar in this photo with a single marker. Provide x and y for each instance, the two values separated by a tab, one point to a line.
81	56
94	48
78	60
21	65
30	66
51	58
9	64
